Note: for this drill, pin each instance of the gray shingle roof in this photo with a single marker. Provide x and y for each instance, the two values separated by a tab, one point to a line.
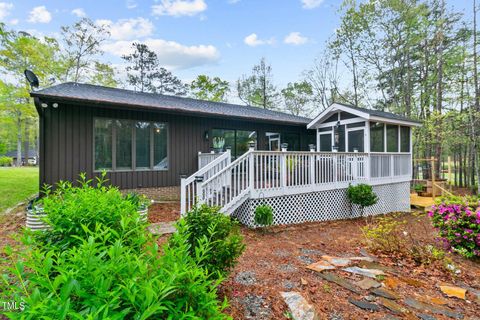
378	113
103	95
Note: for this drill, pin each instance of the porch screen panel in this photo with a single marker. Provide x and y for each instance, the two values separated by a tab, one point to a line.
392	138
325	142
404	139
355	140
242	141
293	141
103	132
160	146
123	144
142	145
377	140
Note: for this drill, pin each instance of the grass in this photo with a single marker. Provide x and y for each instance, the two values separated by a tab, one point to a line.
16	185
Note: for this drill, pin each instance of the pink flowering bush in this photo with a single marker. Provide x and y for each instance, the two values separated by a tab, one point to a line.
458	224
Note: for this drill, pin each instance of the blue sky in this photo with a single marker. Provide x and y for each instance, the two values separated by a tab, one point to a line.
215	37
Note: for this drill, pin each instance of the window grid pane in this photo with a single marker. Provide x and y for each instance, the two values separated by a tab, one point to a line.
103	143
123	144
377	139
160	157
392	138
404	139
142	145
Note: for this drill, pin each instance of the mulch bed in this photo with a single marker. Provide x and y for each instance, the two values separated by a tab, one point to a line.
276	261
164	212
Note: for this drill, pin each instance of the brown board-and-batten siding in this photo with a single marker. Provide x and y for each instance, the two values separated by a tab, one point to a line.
67	142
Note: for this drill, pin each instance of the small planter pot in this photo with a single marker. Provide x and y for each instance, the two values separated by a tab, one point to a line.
35	215
143	212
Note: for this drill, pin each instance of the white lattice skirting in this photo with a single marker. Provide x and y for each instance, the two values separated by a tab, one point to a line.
326	205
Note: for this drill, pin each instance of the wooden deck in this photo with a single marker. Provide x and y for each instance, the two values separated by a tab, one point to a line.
421	202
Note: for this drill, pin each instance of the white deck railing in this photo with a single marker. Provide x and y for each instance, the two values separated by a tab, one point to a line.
206	158
259	174
190	185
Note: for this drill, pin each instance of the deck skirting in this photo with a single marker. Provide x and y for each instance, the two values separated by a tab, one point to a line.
326	205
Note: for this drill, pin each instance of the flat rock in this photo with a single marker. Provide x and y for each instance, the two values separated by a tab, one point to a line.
432	308
424	316
247	278
255	308
306	259
365	305
385	293
364	253
335	316
339	281
312	252
337	261
474	292
368	259
393	306
371	273
368	283
299	308
287	267
412	282
453	291
162	228
320	266
375	265
391	282
433	300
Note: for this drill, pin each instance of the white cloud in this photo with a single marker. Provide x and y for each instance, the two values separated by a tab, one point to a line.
131	4
171	55
295	38
179	8
40	15
5	8
79	12
14	22
252	40
126	29
310	4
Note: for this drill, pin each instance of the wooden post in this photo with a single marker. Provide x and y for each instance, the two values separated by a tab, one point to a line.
432	159
449	173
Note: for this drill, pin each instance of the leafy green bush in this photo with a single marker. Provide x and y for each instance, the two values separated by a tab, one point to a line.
74	211
418	187
6	161
101	279
362	195
140	201
223	235
264	215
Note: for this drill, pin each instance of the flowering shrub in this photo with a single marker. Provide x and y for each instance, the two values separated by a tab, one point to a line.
458	224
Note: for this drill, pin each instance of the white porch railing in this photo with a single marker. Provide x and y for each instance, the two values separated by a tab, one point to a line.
259	174
206	158
190	185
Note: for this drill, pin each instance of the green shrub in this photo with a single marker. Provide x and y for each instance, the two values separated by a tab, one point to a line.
223	235
74	211
264	215
418	187
6	161
362	195
140	201
98	279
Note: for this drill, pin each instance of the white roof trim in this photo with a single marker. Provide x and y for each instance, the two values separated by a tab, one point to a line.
338	107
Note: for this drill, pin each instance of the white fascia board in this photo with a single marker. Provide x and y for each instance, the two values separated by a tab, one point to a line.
336	107
395	121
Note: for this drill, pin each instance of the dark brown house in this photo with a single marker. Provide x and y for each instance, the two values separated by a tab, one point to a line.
148	140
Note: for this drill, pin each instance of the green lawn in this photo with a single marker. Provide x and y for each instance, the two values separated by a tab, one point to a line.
16	185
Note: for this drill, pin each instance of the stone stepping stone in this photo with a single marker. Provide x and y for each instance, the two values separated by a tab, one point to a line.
364	253
337	261
432	300
247	278
368	283
424	316
412	282
391	282
375	265
306	259
453	291
320	266
433	308
311	252
287	267
371	273
162	228
385	293
472	291
339	281
393	306
299	308
365	305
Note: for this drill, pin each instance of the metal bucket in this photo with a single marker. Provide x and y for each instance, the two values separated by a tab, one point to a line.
143	214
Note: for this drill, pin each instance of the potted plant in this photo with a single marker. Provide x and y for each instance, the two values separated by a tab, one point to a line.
218	143
141	202
36	216
419	188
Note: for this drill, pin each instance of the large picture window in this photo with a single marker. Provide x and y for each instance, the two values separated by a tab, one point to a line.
130	145
237	140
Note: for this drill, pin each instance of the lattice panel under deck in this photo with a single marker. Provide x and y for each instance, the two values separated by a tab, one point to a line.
326	205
